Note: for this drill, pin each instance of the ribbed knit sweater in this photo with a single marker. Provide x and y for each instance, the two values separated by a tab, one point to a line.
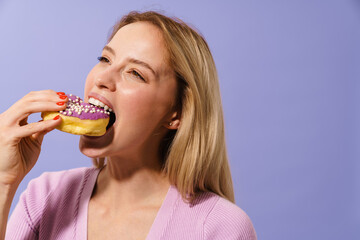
54	206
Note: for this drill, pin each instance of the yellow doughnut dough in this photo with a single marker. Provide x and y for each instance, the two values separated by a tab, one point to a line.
79	126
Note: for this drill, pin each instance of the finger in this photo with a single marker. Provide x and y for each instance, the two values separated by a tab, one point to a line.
33	129
40	136
45	101
35	107
42	107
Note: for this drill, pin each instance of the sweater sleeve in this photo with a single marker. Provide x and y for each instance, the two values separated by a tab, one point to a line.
25	219
228	221
20	224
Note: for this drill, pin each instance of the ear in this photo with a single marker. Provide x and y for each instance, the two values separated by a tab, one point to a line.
173	122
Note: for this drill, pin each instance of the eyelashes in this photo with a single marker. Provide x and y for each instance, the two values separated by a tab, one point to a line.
137	75
103	59
132	72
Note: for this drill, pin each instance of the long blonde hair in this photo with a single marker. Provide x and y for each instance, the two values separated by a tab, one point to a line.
194	155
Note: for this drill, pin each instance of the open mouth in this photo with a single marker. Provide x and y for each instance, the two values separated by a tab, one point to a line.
106	108
111	121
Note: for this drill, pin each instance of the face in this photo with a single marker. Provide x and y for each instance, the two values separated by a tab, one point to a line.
134	78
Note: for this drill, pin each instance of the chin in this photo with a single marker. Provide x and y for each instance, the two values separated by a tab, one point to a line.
92	153
94	147
92	150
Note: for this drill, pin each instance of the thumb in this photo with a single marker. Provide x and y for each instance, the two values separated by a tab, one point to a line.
39	136
52	124
37	127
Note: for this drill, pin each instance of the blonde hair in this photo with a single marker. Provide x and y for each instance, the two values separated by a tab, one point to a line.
194	156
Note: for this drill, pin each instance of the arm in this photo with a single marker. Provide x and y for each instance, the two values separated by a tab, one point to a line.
6	197
20	143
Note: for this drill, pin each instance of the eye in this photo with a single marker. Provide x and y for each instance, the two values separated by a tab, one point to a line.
103	59
137	75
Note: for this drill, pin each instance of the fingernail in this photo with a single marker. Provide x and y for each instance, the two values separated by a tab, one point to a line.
60	93
60	103
63	97
57	117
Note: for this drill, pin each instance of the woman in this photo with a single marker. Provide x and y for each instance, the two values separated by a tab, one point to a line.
161	170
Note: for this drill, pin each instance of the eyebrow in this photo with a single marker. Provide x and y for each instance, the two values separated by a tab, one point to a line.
109	49
132	60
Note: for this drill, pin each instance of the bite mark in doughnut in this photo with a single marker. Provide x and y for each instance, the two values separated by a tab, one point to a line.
81	118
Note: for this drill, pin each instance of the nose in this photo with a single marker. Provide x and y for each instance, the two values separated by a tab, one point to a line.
105	80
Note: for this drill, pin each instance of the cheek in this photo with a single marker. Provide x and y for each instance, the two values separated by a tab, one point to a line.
145	104
138	103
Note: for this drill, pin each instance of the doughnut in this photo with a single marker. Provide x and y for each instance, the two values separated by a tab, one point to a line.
81	118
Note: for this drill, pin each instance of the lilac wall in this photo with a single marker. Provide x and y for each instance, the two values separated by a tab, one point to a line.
289	75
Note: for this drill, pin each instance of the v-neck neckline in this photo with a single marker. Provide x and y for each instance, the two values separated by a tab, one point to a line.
157	227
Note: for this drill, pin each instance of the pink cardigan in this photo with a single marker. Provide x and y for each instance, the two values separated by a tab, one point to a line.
54	206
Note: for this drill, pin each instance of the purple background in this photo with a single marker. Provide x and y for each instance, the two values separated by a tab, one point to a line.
289	75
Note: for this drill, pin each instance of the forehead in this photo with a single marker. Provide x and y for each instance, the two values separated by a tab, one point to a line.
143	41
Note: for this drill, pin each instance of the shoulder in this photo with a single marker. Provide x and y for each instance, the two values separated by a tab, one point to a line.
228	221
47	182
51	195
53	187
210	216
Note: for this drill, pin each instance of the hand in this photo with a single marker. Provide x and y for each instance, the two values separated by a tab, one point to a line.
20	142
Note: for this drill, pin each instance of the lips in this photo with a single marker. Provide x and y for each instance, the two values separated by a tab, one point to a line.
98	103
98	100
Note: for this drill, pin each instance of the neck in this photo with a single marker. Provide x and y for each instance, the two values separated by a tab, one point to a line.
131	182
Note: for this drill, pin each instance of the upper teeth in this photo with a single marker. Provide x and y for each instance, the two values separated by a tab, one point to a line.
98	103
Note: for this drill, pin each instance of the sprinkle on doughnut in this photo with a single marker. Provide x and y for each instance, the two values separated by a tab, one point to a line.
78	108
